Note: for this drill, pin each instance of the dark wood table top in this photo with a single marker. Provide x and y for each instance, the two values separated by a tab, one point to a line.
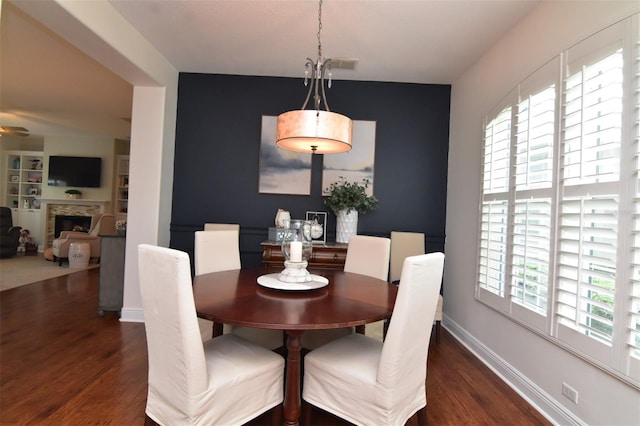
235	298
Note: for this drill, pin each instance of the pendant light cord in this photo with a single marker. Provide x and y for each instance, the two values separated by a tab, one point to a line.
319	30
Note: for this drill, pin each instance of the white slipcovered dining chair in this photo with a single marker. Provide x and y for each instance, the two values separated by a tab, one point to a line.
226	380
222	226
219	250
369	382
404	244
366	255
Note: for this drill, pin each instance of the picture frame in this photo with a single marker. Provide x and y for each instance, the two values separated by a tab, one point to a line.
281	171
321	217
356	165
15	179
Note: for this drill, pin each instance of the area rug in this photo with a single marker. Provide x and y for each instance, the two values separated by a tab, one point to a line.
21	270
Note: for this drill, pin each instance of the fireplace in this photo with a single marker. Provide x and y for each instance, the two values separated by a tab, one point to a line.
84	208
71	223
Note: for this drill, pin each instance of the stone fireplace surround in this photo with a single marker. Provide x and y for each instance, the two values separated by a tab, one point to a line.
79	207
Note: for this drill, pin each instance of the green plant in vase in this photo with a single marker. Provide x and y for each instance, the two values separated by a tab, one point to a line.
73	193
347	199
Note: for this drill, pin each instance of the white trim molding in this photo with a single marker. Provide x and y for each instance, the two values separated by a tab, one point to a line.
540	400
132	315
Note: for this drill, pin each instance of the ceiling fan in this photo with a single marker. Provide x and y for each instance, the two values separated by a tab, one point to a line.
13	130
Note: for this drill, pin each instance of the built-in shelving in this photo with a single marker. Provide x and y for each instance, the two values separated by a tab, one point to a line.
122	184
23	189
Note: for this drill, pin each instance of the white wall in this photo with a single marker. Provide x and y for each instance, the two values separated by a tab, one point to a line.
529	362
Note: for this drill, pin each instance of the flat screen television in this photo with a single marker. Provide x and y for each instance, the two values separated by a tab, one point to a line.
83	172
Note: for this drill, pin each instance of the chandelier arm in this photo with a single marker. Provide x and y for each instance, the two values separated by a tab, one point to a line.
326	63
316	82
306	101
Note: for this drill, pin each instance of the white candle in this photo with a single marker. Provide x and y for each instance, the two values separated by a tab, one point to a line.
295	251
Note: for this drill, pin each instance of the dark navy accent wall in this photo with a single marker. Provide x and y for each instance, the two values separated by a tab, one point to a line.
218	150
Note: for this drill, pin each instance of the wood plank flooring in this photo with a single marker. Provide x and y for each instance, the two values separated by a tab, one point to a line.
62	364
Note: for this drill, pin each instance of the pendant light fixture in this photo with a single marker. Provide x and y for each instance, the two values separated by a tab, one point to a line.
315	131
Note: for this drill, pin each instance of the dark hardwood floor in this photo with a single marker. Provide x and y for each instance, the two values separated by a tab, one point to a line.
62	364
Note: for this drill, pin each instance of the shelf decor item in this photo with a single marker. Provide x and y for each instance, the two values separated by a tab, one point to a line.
318	226
296	248
73	194
346	200
121	227
282	216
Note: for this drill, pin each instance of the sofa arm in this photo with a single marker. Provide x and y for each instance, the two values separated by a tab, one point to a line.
14	232
65	235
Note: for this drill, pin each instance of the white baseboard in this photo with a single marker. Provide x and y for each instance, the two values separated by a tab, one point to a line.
131	315
539	399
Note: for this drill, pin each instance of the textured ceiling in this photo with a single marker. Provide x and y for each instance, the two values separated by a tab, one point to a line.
47	83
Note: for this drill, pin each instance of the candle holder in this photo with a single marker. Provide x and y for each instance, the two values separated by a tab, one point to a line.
296	248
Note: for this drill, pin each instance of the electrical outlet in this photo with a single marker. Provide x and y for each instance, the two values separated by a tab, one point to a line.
570	393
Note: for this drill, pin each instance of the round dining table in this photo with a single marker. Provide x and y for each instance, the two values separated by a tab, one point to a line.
348	300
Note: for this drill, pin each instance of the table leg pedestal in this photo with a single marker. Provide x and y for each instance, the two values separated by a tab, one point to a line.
217	329
292	399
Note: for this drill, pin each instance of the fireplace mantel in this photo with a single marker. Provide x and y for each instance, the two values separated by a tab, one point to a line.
81	201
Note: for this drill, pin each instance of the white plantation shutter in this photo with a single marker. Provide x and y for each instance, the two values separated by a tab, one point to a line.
632	324
530	260
494	215
589	205
592	120
496	153
535	135
559	240
534	140
493	247
587	268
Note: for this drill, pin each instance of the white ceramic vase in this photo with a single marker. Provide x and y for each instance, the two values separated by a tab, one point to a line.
346	225
282	218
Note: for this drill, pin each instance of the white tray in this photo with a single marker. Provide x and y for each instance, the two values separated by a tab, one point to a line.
272	281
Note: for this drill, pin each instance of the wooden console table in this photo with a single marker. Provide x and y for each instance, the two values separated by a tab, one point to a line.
323	256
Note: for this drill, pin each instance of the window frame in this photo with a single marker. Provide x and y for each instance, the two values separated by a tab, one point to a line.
616	359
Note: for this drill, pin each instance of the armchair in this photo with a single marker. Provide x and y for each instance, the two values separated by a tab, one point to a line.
9	234
104	224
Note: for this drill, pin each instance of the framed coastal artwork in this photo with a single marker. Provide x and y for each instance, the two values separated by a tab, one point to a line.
355	165
281	171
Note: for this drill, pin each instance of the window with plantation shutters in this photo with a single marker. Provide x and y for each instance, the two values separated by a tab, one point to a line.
517	202
590	205
531	228
559	236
